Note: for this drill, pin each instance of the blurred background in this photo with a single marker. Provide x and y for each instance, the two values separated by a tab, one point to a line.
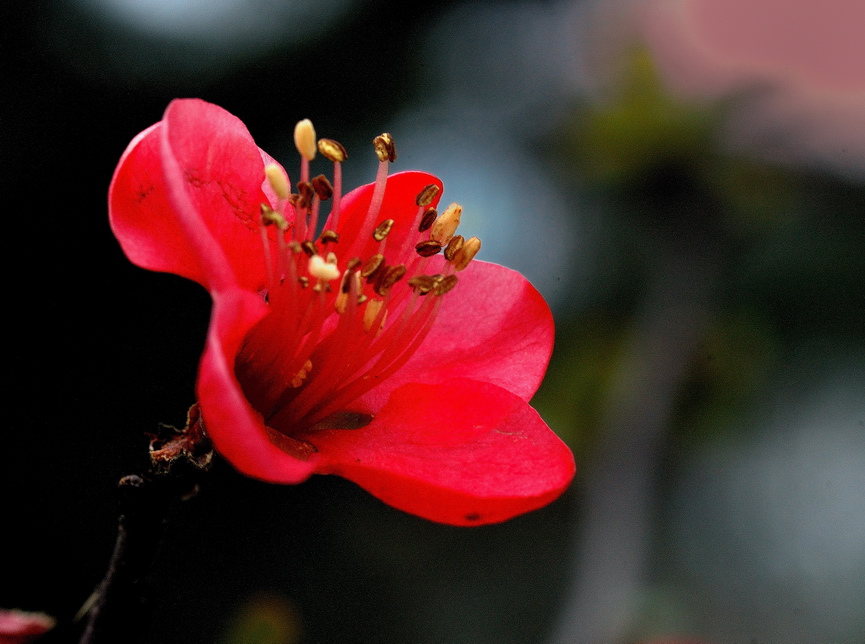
682	180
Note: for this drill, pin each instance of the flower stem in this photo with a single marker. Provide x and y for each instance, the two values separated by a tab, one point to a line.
118	611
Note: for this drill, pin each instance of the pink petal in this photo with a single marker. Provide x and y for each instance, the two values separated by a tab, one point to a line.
237	430
493	327
185	197
460	452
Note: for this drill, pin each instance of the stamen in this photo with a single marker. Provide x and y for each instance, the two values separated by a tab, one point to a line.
382	230
333	151
386	152
428	248
384	147
446	225
422	284
467	253
371	313
387	278
429	216
322	187
277	180
297	381
304	141
322	270
372	265
426	196
309	248
444	284
327	237
454	246
270	217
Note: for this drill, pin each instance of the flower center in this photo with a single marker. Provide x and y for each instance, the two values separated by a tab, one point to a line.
350	305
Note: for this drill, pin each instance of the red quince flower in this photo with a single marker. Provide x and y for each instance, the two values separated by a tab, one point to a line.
365	351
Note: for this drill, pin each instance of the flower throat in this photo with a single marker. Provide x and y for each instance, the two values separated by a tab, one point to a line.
347	308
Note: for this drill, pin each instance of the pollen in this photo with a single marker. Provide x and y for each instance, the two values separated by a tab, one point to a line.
322	269
304	139
447	223
277	180
301	375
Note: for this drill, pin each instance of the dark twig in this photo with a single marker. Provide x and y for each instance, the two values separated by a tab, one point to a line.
117	610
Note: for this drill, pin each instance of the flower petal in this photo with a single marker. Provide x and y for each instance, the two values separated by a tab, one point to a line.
237	430
399	203
460	452
187	194
494	327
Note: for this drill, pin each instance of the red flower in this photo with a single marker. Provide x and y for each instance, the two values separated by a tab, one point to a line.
402	377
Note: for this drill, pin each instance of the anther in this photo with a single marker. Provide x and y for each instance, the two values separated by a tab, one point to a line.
446	225
454	246
384	147
353	263
277	180
467	253
422	284
428	248
322	187
328	236
372	265
309	248
426	196
306	192
321	269
297	381
304	139
444	284
390	276
269	217
429	216
332	150
330	258
303	281
370	313
381	231
295	247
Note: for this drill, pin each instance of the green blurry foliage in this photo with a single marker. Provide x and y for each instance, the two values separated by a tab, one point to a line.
731	366
587	359
265	619
782	247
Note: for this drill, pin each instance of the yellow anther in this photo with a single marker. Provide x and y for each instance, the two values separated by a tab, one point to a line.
370	313
445	226
322	270
269	217
277	180
297	381
304	139
425	197
332	150
467	253
382	230
384	147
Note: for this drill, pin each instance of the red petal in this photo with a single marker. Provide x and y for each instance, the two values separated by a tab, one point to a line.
185	197
237	430
460	452
399	204
493	327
